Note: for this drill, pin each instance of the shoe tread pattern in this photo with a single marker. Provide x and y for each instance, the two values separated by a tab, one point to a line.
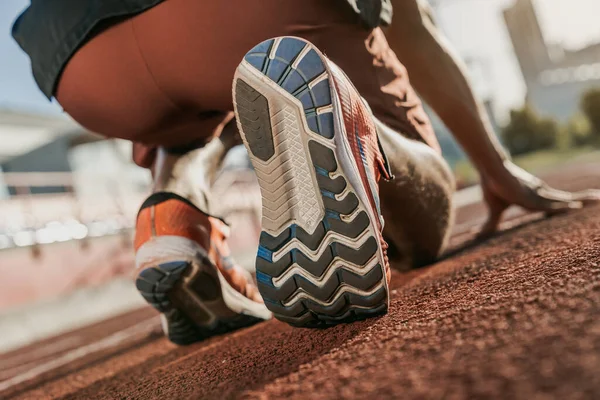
332	275
156	284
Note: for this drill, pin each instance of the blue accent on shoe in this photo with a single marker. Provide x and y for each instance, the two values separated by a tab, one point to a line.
296	81
258	56
311	65
301	90
322	93
312	124
326	125
293	82
332	214
262	48
321	171
265	253
327	193
289	49
256	60
361	149
276	69
265	67
311	113
306	99
293	231
264	278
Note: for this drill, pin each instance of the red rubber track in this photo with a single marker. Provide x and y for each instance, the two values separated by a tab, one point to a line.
515	317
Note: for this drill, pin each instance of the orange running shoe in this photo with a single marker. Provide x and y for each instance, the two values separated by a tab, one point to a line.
313	143
185	271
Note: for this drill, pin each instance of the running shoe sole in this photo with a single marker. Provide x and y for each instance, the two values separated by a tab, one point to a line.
195	299
320	260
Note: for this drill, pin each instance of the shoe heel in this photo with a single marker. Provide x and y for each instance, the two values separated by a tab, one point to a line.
154	284
191	294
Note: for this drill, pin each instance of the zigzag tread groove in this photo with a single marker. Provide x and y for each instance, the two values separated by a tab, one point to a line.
330	291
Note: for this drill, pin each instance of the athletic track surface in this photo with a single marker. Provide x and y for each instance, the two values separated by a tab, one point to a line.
515	317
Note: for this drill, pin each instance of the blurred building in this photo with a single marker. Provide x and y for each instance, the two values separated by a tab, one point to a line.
45	154
59	182
555	78
34	143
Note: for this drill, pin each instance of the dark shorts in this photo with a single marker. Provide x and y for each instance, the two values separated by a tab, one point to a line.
51	31
163	77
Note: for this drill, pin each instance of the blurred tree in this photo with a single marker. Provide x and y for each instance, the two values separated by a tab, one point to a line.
579	130
527	132
565	138
590	105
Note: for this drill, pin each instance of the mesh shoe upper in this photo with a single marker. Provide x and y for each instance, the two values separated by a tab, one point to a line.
362	136
361	133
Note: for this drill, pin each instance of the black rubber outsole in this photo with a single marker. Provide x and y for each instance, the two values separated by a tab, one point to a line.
254	117
157	285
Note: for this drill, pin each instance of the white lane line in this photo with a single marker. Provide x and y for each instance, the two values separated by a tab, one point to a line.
106	343
33	355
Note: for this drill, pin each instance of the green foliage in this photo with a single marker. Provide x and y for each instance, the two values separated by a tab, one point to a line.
527	132
590	106
579	131
564	139
536	162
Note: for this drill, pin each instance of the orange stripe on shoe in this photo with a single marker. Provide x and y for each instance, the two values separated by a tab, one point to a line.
176	218
143	230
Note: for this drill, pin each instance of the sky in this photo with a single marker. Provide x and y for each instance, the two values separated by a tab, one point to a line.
475	27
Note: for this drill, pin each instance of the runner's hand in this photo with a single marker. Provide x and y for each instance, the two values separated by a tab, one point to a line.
519	187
